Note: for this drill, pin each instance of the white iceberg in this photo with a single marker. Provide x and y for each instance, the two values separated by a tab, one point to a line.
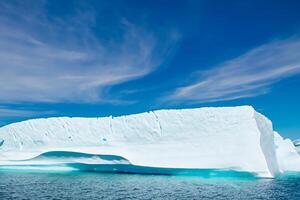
287	155
227	138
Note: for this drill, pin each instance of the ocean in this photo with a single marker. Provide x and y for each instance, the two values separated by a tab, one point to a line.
87	185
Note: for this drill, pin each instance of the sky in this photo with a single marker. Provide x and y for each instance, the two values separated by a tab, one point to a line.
102	58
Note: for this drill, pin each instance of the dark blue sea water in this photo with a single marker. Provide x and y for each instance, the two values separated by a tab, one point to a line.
86	185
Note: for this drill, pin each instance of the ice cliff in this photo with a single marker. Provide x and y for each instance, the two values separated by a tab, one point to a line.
228	138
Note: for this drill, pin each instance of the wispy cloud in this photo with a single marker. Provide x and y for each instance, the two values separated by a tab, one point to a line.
20	113
248	75
7	113
50	59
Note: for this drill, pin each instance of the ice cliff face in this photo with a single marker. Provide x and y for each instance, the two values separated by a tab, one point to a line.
236	138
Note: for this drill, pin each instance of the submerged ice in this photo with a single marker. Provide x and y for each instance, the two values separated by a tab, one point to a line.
233	139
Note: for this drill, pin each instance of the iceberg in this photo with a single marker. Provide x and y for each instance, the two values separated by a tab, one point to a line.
200	140
287	155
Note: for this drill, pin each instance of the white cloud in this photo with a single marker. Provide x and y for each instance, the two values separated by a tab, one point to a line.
19	113
7	113
248	75
49	59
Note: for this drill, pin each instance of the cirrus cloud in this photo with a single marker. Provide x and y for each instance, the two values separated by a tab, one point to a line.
51	59
248	75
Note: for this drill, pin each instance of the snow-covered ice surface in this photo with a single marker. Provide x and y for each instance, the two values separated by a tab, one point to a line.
228	138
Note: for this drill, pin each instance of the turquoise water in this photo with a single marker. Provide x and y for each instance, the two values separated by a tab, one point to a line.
87	185
74	162
127	181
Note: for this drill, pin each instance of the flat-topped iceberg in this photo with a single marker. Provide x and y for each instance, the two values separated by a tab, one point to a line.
227	138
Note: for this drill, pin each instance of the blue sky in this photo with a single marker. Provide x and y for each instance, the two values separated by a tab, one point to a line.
99	58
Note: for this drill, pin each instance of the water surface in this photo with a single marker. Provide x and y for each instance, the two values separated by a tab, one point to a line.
85	185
